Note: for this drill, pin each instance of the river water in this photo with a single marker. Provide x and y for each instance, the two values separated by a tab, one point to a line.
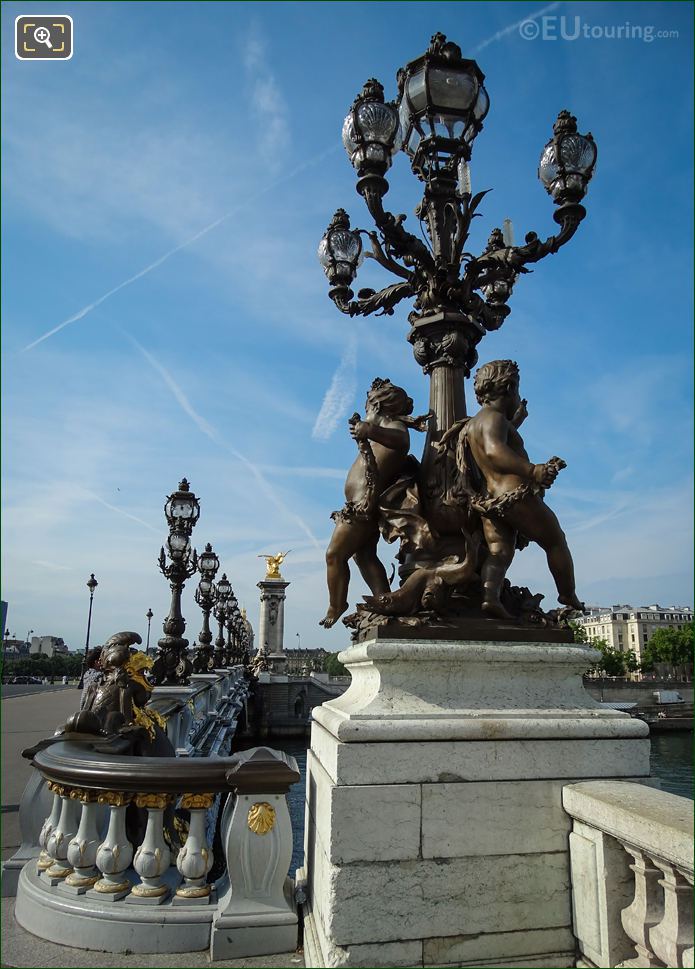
671	762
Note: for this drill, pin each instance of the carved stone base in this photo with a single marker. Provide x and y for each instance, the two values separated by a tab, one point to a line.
435	831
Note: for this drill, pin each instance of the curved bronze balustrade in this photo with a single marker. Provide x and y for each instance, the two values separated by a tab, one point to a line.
89	764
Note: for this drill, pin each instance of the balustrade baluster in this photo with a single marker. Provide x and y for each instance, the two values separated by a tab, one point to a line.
153	856
82	849
645	912
44	860
674	933
195	858
61	835
115	853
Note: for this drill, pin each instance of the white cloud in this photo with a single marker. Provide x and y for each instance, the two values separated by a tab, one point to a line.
340	394
267	104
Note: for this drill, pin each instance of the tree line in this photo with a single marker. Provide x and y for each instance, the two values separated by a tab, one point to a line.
62	664
669	652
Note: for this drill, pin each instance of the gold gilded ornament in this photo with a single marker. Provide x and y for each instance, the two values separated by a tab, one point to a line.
115	798
154	801
261	817
136	667
191	802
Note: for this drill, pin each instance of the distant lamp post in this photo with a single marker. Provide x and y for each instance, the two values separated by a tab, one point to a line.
231	614
224	590
148	616
205	596
91	585
182	510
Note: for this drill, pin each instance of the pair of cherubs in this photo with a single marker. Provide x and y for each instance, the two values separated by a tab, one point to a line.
504	487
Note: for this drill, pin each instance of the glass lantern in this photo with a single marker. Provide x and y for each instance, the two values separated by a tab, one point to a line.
178	544
224	587
442	106
340	251
567	161
182	508
372	131
208	561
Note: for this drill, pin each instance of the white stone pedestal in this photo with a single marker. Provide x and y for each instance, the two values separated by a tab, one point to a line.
435	833
271	628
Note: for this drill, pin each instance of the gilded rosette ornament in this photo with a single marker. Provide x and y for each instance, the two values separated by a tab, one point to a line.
261	817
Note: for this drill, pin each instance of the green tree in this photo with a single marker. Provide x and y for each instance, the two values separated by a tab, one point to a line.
613	662
578	631
333	666
670	647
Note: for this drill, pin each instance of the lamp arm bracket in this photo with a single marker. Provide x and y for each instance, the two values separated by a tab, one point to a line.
568	218
401	243
380	256
369	302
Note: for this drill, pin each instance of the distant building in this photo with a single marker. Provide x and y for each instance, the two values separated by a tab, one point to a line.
630	628
47	646
304	661
15	648
3	617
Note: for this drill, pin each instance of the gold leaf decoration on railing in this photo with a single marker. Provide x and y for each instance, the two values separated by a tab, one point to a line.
115	798
153	801
85	796
58	789
261	817
191	802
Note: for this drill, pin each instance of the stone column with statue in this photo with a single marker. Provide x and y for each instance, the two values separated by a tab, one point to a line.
272	619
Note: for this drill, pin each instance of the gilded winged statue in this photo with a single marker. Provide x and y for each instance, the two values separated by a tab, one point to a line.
273	563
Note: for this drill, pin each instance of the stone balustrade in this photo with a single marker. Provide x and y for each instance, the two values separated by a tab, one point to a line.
92	887
631	851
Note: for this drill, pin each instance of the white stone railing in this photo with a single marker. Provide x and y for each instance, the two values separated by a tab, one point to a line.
93	888
631	852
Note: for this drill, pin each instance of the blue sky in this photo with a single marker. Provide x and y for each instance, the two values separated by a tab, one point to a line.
227	363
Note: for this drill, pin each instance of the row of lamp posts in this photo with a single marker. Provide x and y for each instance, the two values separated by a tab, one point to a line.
173	665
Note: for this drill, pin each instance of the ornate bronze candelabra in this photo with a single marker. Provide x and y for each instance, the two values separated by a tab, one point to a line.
172	666
457	296
224	589
205	596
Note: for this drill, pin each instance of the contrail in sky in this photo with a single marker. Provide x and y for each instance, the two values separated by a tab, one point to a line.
122	512
339	395
211	433
505	31
183	245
